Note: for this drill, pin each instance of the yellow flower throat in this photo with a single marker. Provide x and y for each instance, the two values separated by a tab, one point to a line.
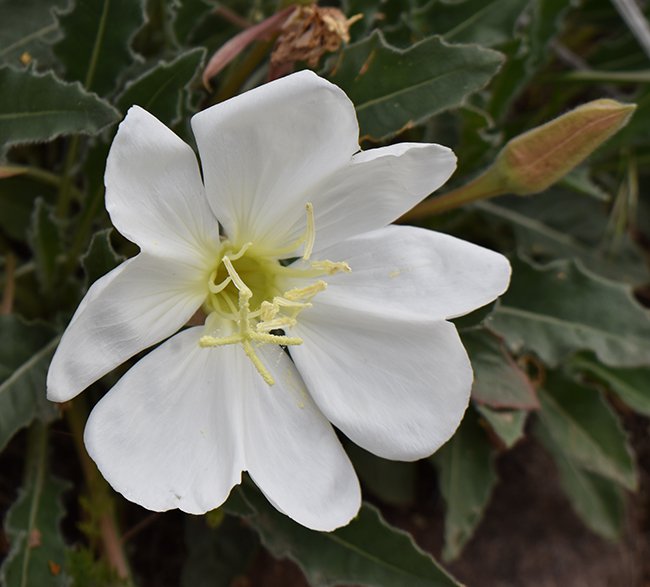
243	289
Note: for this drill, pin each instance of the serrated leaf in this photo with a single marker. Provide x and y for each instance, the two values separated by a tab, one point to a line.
586	429
563	225
498	380
216	555
393	89
95	48
38	108
45	240
38	551
100	257
599	502
467	478
508	425
28	28
631	385
562	308
25	354
367	551
160	90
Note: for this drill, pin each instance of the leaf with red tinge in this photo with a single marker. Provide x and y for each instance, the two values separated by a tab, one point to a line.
498	380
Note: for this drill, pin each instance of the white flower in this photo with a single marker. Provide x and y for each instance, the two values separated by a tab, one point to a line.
362	311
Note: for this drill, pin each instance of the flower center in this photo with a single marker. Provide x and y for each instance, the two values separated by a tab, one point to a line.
244	290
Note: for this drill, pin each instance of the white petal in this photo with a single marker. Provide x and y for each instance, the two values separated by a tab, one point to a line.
292	452
397	388
262	151
376	187
140	303
168	434
154	192
414	274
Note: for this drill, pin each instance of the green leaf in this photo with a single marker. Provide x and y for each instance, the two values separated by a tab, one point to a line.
95	48
100	257
367	551
477	21
37	108
28	26
498	380
467	478
160	90
393	482
599	502
586	429
631	385
38	551
393	89
562	308
216	556
25	353
45	239
508	425
563	225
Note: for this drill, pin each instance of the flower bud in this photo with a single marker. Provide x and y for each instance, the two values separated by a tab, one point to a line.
536	159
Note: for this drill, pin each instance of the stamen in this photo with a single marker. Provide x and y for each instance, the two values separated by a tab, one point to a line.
305	292
241	252
214	288
239	284
276	323
310	234
331	267
261	369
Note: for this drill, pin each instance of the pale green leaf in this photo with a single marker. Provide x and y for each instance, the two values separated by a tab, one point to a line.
467	478
38	108
45	240
160	90
367	551
393	89
631	385
28	27
38	552
599	502
586	429
508	425
25	353
498	380
562	308
100	258
95	48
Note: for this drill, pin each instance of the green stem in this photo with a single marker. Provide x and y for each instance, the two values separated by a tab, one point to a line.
45	177
34	476
66	187
486	185
101	495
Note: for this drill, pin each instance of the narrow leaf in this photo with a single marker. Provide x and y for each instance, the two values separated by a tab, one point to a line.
498	380
562	308
586	429
45	239
393	89
37	108
100	257
599	502
25	353
467	478
37	554
508	425
160	90
631	385
95	48
368	551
